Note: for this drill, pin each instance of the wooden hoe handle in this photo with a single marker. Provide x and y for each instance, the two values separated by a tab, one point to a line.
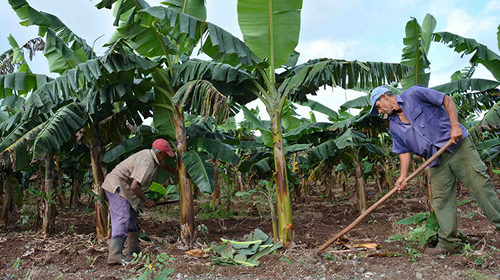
384	198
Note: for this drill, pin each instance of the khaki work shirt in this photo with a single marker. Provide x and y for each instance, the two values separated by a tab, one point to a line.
141	166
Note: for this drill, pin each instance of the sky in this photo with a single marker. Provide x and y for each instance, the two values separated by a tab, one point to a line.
364	30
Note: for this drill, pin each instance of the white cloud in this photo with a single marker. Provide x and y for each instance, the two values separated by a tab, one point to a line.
460	22
492	6
325	48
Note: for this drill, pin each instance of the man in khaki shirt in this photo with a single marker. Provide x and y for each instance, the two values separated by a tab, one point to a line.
125	187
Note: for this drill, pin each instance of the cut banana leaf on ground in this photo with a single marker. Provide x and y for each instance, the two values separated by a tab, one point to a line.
244	253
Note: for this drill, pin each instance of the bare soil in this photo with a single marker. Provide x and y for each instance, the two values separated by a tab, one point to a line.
75	253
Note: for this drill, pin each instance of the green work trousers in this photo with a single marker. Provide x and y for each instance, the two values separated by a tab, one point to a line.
466	165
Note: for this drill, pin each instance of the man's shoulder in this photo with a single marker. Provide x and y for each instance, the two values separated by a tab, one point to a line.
415	89
142	155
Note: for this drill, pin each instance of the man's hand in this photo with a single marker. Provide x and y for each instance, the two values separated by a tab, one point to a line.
455	134
400	184
148	203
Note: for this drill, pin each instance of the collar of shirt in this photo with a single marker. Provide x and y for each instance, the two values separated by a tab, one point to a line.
394	116
154	157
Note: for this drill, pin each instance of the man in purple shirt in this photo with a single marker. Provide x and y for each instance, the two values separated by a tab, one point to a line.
422	120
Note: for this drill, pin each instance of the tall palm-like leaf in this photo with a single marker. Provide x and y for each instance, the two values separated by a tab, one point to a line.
58	36
480	53
271	29
417	45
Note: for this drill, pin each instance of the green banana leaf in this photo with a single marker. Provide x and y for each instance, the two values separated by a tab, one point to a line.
22	83
306	78
270	28
201	174
195	8
357	103
125	147
124	9
306	128
350	138
296	148
490	122
318	107
414	54
480	53
325	150
59	128
20	134
460	86
428	27
220	151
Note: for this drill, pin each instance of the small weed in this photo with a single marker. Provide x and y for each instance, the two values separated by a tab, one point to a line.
475	275
495	249
476	259
302	260
413	253
471	214
153	269
285	259
71	229
203	228
329	256
220	213
373	222
395	238
17	263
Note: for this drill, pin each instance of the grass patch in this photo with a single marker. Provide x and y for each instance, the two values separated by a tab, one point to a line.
474	275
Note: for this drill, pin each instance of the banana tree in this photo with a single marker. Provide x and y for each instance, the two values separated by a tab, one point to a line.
271	30
85	95
168	36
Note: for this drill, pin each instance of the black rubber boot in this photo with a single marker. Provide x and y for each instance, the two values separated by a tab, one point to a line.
115	252
133	243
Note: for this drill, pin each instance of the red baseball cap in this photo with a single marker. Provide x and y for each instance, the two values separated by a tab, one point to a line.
162	145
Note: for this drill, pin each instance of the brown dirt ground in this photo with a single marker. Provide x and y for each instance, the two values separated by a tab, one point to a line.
75	253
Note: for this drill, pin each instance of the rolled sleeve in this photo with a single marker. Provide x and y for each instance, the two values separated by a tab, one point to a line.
142	171
398	146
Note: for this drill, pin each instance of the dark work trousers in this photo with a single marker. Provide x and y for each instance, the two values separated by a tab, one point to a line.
465	165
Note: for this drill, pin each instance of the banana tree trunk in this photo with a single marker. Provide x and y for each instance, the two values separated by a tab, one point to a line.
241	187
284	205
378	173
330	183
216	193
100	207
48	224
388	175
185	188
360	188
75	192
6	204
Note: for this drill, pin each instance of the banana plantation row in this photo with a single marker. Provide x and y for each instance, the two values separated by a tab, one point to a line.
61	135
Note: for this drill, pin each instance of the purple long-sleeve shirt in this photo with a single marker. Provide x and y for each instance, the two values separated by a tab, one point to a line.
429	127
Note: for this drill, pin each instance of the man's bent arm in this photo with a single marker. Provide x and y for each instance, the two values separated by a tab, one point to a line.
136	188
451	109
168	168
